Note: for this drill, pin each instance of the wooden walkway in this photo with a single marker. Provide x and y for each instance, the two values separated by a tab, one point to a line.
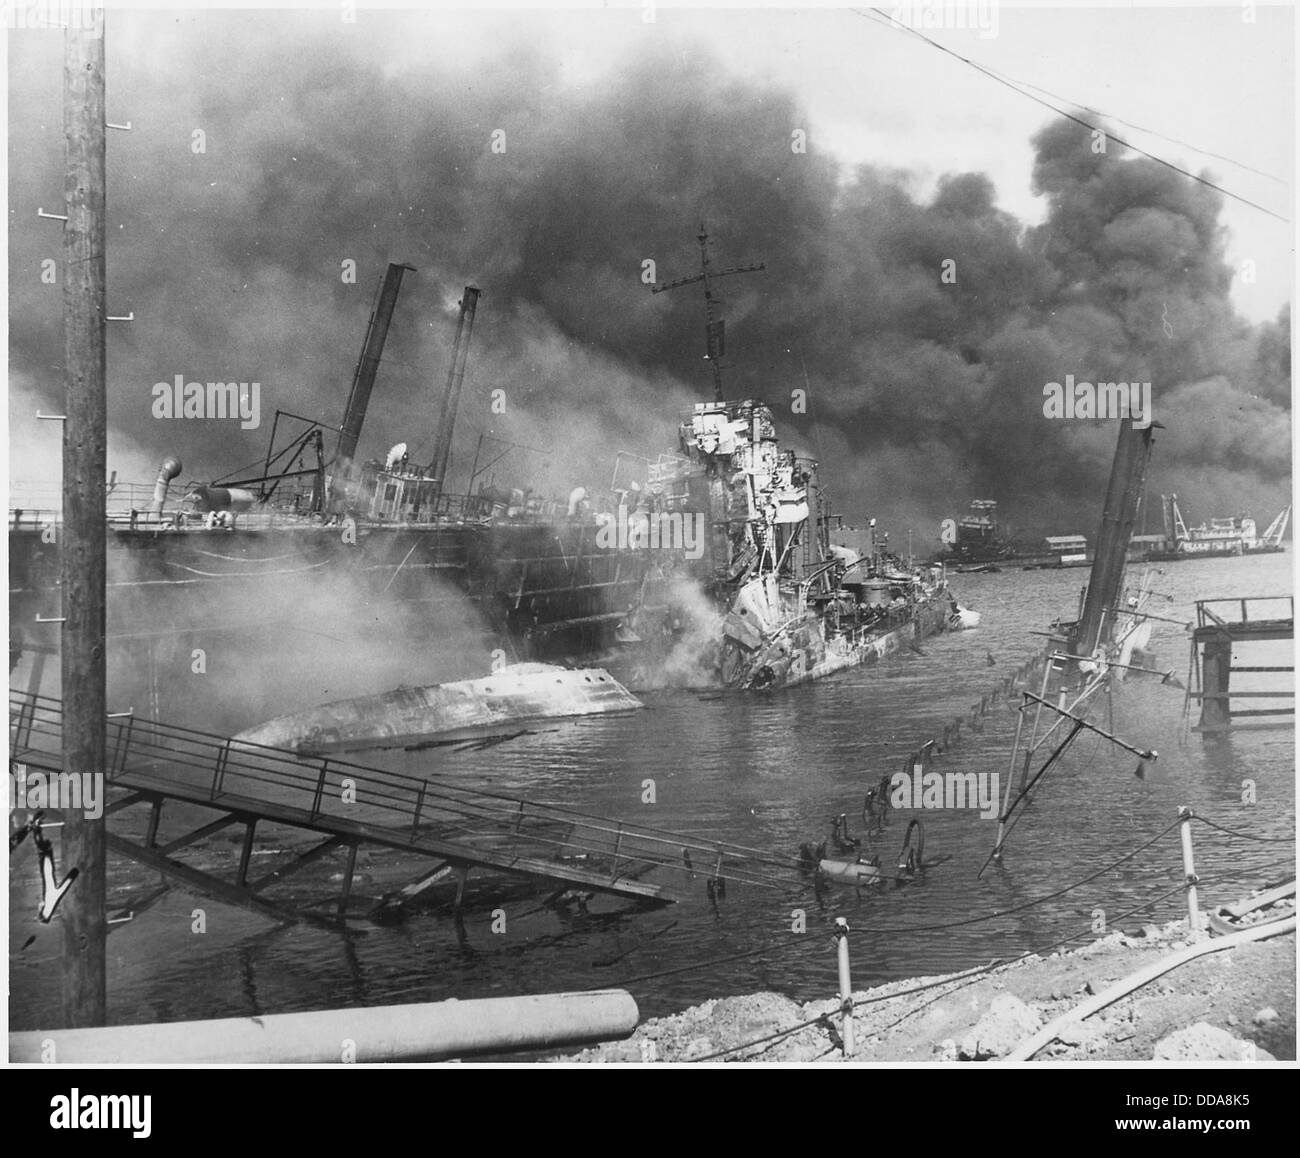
348	804
1222	637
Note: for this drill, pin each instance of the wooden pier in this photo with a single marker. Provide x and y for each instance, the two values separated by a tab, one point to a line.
152	765
1226	633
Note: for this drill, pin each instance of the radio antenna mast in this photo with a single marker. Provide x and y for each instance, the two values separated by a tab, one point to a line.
714	334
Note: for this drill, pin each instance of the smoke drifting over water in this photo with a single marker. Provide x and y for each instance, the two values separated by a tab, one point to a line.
313	636
319	148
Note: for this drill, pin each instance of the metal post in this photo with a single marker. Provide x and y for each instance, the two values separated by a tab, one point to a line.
219	774
124	752
155	815
846	987
1189	870
320	789
346	895
419	807
246	852
84	515
1011	776
618	843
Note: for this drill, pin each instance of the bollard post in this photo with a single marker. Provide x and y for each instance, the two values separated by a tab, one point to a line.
1189	870
846	987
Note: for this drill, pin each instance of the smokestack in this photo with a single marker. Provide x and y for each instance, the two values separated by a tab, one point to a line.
363	380
451	393
170	468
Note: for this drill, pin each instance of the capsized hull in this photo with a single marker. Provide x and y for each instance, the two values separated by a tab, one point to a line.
464	709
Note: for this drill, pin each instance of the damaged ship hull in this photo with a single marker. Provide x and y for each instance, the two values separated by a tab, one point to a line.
517	693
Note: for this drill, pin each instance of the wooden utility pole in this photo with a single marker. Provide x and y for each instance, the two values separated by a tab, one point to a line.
713	328
84	516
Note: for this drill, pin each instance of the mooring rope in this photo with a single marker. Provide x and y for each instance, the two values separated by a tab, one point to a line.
1246	835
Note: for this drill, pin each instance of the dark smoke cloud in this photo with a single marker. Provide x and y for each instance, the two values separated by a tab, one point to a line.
921	394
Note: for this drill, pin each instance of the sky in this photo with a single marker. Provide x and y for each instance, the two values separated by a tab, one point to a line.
328	140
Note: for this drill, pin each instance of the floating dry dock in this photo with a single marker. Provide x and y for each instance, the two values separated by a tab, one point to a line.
515	694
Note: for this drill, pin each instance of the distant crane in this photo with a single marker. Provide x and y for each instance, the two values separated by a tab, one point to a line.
1276	529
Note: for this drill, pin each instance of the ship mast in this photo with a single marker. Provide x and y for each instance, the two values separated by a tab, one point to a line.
1123	494
363	380
714	326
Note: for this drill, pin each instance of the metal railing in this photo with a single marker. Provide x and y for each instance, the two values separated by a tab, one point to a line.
1205	616
146	755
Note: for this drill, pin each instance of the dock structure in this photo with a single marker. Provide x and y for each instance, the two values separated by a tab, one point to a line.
152	764
1228	639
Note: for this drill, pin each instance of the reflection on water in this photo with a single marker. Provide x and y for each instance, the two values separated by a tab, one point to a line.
767	771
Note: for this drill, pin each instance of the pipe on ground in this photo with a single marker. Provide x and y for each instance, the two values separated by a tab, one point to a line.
416	1032
1125	986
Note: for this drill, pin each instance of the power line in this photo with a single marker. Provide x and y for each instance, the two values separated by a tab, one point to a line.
1016	88
1140	128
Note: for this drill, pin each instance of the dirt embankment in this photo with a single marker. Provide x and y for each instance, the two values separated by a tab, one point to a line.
1235	1004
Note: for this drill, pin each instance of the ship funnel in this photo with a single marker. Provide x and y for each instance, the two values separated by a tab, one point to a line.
170	468
451	392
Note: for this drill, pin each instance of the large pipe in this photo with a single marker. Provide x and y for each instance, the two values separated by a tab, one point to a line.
388	1033
451	392
363	380
207	499
170	468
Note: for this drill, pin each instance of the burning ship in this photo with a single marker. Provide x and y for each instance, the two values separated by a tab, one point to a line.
539	585
794	606
549	581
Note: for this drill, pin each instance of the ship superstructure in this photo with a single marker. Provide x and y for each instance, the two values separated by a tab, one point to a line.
794	607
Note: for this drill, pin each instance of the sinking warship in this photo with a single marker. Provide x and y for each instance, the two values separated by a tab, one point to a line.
585	579
793	606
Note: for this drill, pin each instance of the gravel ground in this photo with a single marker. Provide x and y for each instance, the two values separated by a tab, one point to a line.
1234	1004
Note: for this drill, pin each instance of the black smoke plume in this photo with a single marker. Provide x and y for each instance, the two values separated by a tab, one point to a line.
318	150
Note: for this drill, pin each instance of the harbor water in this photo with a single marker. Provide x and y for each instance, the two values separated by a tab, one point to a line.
769	771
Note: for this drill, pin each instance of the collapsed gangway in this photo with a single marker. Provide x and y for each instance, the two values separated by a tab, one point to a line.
153	764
